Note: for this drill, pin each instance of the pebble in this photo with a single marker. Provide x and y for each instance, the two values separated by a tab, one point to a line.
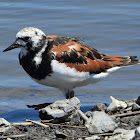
99	107
3	122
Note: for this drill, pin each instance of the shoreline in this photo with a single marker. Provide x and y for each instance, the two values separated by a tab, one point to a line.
119	120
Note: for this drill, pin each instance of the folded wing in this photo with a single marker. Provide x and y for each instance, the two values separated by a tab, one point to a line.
74	54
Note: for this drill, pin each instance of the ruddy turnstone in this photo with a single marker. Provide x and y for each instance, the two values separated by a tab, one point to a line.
64	62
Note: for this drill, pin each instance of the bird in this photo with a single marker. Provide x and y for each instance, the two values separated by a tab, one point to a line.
64	62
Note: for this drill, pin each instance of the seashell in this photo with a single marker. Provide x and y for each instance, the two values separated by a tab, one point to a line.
116	104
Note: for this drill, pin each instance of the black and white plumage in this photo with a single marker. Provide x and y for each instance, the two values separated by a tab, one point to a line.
64	62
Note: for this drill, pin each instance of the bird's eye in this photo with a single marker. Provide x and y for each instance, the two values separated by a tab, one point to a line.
26	38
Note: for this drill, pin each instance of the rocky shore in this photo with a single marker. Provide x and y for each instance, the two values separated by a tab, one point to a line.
64	120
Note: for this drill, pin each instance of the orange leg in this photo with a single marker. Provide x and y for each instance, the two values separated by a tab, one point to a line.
70	95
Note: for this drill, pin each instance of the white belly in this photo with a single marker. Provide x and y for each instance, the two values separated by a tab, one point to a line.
68	78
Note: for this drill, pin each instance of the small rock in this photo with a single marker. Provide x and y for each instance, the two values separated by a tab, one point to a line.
137	134
3	129
60	135
3	122
130	103
99	107
93	138
76	119
120	130
135	107
138	101
126	135
116	104
60	110
100	122
88	114
9	139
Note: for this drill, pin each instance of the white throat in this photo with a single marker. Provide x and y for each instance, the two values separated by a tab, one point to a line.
38	57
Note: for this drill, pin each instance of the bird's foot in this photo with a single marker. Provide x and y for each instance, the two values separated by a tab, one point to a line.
39	106
70	95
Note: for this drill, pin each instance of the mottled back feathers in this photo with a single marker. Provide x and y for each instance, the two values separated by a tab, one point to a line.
84	58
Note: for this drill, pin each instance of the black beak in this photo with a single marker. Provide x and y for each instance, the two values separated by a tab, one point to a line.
13	46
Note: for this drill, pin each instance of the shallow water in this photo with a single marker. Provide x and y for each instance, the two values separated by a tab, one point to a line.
112	27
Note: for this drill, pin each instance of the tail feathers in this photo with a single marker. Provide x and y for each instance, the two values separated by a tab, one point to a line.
133	60
122	61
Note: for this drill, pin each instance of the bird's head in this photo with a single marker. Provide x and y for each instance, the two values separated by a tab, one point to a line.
29	39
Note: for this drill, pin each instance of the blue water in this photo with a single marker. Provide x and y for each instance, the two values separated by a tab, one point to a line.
112	27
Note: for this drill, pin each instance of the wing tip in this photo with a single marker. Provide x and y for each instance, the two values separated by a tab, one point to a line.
133	61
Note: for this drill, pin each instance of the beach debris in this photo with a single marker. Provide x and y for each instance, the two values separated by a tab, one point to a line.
3	129
137	134
45	123
135	107
100	122
62	125
3	122
124	123
60	135
116	104
125	135
82	115
9	139
93	138
13	136
99	107
126	114
38	123
101	136
130	103
138	101
22	123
